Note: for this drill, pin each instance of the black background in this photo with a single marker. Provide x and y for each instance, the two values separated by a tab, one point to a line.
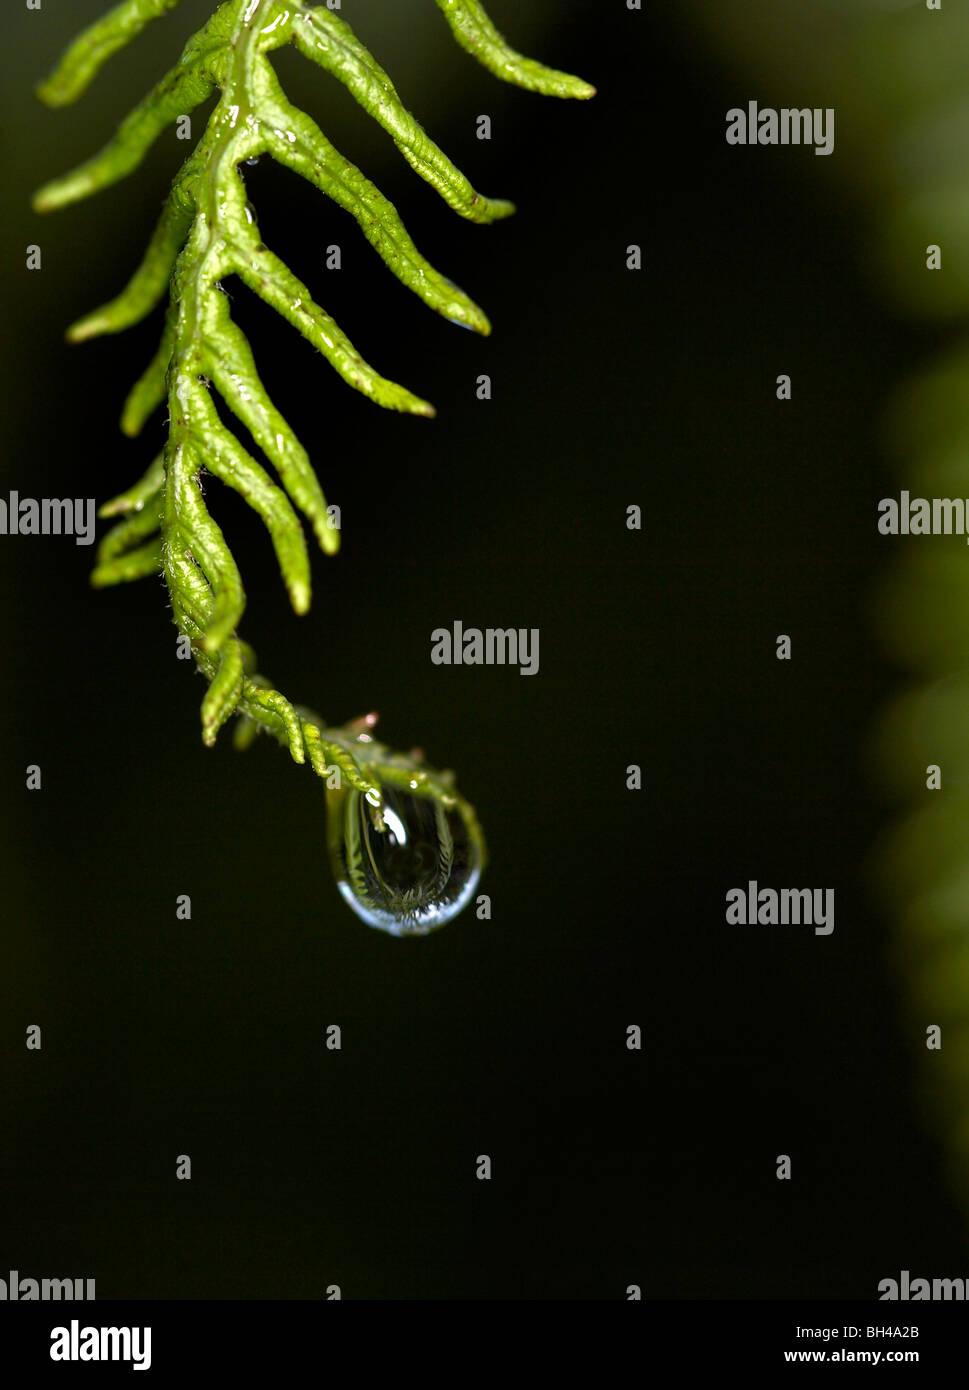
161	1037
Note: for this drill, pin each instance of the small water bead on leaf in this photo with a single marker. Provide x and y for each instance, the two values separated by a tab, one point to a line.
415	873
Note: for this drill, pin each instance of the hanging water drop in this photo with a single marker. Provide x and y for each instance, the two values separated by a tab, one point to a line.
408	866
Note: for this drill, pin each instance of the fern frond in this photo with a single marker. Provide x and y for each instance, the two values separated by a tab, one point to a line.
476	34
91	50
207	232
328	40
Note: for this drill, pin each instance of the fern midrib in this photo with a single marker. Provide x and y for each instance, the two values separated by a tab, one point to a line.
202	260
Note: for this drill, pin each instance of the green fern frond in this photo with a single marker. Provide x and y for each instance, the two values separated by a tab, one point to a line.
207	232
475	32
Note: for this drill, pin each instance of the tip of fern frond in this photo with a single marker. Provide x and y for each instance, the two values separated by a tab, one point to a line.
60	193
115	507
134	414
300	596
54	93
472	319
551	83
329	539
244	734
91	326
566	85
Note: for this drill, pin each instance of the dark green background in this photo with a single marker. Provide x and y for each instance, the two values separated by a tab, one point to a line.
506	1037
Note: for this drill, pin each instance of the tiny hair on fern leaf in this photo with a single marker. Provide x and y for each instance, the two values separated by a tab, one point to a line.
207	232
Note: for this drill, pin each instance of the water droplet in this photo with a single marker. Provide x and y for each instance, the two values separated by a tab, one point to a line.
413	876
253	159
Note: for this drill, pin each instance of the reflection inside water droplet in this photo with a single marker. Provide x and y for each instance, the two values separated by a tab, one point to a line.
414	875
